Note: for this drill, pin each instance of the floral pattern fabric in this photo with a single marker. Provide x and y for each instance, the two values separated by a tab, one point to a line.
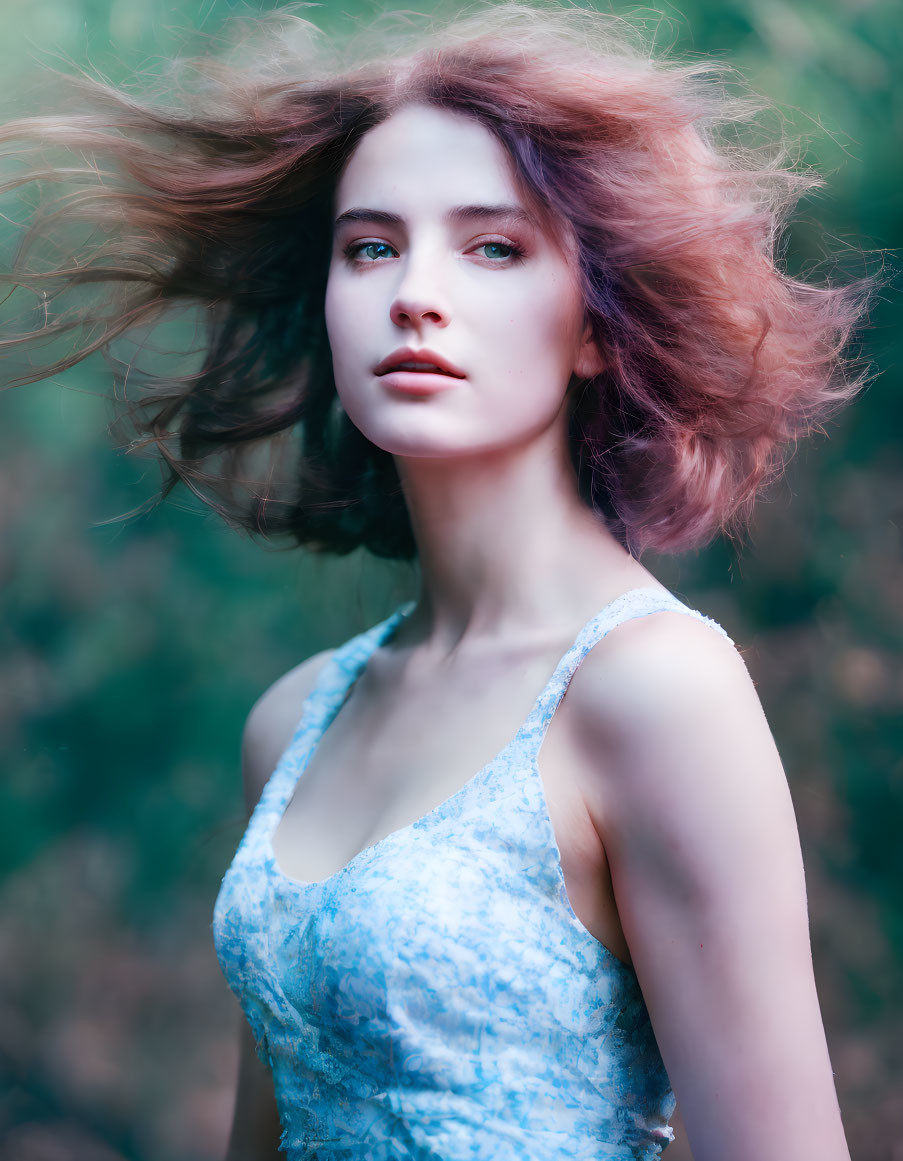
437	999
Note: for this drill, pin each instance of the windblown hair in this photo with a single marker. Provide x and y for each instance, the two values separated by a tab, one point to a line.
716	359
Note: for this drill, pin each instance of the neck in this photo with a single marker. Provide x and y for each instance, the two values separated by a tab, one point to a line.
506	546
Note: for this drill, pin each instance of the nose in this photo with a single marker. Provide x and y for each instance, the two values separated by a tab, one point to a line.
405	313
418	298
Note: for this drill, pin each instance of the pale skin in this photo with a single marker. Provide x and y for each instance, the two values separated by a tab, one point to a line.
665	789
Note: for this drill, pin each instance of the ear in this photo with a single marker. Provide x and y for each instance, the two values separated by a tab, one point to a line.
589	361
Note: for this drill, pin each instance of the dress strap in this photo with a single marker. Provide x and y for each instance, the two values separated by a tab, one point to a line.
338	675
634	603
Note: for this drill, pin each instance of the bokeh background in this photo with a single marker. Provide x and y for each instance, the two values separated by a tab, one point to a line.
130	653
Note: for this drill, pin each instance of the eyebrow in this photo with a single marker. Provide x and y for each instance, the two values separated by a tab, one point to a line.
511	213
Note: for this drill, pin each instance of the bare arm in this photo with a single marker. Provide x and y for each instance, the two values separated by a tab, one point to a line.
255	1123
679	1148
267	732
694	809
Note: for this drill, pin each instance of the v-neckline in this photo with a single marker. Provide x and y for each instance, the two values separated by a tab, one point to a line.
381	635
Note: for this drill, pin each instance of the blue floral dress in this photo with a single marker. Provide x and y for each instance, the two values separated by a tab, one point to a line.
437	999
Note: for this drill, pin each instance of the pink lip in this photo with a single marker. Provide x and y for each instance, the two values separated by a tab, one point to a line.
409	355
417	382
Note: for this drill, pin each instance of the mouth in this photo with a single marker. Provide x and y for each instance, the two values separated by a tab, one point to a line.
418	362
419	382
421	368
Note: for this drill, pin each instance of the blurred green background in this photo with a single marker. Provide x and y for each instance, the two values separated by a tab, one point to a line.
130	654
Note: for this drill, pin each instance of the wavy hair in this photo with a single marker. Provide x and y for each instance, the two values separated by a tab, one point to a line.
220	204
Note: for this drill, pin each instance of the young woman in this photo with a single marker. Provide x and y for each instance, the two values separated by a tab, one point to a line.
512	284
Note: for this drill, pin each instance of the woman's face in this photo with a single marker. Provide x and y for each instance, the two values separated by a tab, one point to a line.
416	263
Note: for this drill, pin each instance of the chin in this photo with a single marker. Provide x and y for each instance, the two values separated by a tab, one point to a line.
417	447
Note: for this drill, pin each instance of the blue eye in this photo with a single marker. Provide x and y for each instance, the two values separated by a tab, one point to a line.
369	253
512	251
358	248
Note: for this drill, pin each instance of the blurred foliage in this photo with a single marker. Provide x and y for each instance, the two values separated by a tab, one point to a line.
131	654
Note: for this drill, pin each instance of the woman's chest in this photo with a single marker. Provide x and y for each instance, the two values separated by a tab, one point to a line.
384	763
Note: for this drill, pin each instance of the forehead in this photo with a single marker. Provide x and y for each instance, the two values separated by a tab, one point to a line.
422	157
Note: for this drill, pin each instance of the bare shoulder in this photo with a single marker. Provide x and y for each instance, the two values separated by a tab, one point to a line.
670	727
661	665
685	785
272	721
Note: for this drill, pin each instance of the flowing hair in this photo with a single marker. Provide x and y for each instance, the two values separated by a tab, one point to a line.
217	208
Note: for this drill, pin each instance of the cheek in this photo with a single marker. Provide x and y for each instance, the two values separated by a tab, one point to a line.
352	305
542	326
332	304
342	317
